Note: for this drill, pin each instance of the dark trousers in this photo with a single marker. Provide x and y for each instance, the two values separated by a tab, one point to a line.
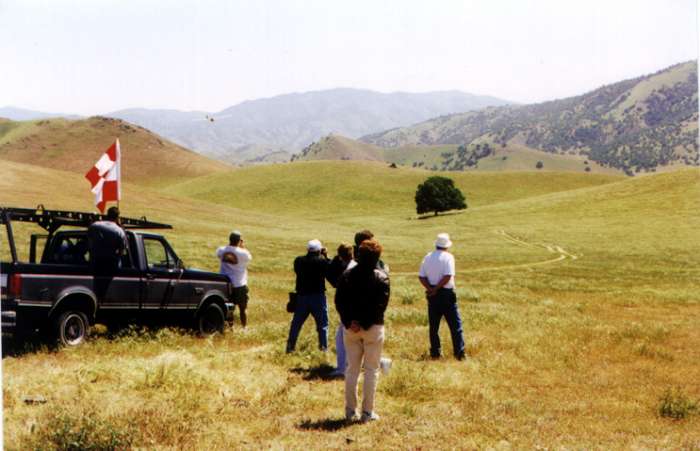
444	303
314	305
240	298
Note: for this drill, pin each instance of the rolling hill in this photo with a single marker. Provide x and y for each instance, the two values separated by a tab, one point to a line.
76	145
570	286
337	147
636	125
452	157
344	189
254	129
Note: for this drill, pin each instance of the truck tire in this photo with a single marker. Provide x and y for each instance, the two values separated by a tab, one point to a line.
211	320
71	328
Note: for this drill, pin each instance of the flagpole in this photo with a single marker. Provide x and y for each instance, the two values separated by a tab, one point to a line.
119	173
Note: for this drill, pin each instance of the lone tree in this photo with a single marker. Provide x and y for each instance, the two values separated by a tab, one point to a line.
439	194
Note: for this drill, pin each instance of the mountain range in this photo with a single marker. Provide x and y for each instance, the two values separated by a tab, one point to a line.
22	114
272	129
636	125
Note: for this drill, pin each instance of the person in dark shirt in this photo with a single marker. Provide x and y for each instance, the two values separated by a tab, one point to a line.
361	300
311	270
338	265
107	243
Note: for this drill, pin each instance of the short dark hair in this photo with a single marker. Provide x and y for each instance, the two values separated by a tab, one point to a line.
113	214
234	238
345	251
369	252
363	235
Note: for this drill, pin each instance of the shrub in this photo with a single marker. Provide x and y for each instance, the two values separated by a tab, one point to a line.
539	165
675	404
67	430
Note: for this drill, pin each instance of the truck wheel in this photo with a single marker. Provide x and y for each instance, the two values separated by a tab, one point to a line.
211	320
72	328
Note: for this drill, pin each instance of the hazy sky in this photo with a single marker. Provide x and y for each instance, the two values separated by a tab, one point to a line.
96	56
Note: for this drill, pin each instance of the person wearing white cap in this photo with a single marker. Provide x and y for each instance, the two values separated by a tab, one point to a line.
437	275
311	272
234	260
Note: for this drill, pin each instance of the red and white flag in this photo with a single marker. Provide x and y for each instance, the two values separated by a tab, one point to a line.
105	177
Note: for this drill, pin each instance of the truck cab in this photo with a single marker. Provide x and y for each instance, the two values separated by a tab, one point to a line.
63	294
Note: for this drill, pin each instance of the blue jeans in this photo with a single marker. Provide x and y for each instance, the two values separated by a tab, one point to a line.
341	359
444	303
314	304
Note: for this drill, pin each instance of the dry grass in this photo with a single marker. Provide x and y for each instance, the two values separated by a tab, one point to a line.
74	145
578	353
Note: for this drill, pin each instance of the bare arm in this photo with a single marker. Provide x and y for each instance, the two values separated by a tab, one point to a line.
230	257
430	291
446	278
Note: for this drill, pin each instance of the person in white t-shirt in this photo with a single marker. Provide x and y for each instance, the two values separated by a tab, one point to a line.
234	260
437	275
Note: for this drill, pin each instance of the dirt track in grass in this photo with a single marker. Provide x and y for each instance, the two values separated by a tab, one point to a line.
561	255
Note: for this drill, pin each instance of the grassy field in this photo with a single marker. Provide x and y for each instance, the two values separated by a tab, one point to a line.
579	294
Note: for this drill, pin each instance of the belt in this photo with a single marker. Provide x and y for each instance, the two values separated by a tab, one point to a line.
443	288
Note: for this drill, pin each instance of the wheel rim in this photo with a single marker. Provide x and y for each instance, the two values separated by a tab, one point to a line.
74	329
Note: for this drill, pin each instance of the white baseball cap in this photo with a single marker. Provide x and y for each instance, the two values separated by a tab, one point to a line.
443	241
314	246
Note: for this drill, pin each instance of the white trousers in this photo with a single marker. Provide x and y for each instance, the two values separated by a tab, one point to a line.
362	346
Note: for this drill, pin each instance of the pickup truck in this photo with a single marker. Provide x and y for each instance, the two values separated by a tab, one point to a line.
58	291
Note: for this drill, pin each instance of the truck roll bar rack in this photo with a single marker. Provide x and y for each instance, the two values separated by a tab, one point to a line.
51	220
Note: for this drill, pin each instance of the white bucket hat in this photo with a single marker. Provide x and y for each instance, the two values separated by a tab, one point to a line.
443	241
314	246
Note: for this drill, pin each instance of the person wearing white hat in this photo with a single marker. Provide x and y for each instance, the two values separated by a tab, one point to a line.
311	272
437	275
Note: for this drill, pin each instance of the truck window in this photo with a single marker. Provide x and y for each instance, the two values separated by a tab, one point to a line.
157	255
73	248
69	250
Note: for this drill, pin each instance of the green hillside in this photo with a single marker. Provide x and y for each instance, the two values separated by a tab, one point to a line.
449	157
637	125
578	293
340	189
336	147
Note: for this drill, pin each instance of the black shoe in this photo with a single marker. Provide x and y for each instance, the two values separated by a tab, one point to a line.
461	356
